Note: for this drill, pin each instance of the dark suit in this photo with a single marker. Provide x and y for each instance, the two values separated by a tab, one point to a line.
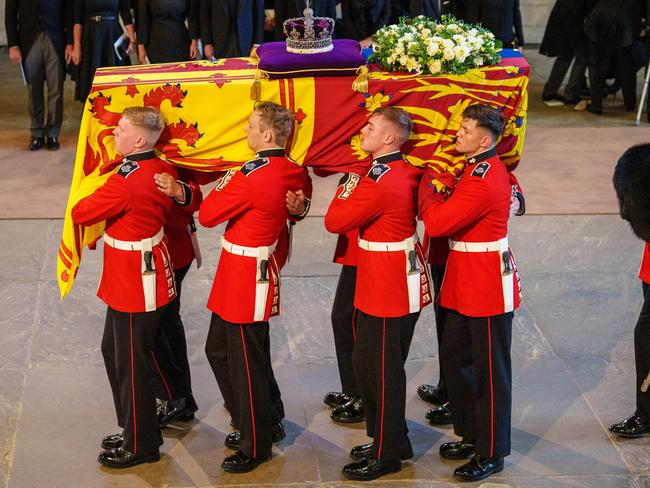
231	26
41	31
502	17
362	18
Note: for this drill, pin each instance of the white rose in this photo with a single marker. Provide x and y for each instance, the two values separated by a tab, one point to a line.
440	28
458	38
403	59
448	54
447	43
432	48
460	52
413	46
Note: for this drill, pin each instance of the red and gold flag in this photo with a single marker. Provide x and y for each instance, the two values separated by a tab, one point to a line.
206	106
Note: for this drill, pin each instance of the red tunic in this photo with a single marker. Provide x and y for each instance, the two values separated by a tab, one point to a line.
134	209
178	221
644	271
253	201
476	212
383	208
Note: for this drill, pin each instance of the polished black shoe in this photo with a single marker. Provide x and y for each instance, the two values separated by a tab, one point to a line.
478	468
233	440
349	413
440	416
635	426
432	394
457	450
112	441
241	463
370	469
116	440
365	451
52	143
36	144
179	409
335	398
120	458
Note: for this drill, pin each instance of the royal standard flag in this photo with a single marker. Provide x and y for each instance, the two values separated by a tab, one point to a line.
206	106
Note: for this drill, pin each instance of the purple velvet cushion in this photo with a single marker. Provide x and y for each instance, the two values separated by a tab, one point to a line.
343	60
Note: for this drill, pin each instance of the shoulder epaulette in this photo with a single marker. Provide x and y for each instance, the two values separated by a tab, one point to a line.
127	168
378	170
481	169
253	165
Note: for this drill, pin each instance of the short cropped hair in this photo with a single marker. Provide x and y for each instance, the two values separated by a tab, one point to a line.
487	117
398	117
145	117
276	118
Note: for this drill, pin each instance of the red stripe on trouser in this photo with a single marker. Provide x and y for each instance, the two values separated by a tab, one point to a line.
381	424
491	389
162	377
354	329
250	390
135	425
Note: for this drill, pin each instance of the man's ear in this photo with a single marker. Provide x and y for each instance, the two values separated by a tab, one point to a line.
389	139
141	141
267	135
486	141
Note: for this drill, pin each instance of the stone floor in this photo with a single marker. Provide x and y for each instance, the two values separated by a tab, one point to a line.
572	348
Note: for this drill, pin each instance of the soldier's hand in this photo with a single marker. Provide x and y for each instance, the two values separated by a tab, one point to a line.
169	186
14	54
296	202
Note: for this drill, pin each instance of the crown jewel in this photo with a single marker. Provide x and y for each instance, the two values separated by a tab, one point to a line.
309	34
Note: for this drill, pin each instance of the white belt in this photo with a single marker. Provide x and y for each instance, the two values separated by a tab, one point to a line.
262	283
133	245
413	280
251	252
500	245
148	273
388	246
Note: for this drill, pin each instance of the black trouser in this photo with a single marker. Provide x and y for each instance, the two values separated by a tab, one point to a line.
344	328
126	347
605	60
249	375
642	355
560	67
476	355
437	275
379	354
216	349
43	65
170	349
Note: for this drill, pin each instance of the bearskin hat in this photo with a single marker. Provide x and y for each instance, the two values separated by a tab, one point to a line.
632	184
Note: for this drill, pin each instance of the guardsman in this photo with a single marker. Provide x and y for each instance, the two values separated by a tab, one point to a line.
631	183
480	292
246	289
174	390
392	287
438	250
346	405
137	282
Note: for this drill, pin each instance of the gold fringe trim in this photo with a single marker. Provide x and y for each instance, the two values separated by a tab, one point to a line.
360	84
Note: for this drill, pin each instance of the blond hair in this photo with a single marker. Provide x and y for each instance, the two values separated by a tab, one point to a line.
145	117
399	118
276	118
